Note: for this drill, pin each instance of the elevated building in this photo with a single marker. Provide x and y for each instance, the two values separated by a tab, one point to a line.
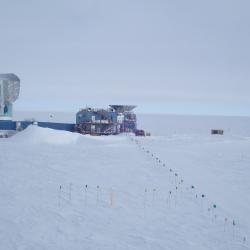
96	121
115	120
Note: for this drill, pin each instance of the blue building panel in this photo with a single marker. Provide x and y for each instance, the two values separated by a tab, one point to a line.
7	125
20	125
96	121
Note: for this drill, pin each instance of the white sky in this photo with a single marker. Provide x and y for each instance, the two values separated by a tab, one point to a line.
179	56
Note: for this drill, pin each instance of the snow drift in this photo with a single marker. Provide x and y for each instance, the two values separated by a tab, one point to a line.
37	135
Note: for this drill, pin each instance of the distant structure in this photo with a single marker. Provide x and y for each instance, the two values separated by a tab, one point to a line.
217	131
9	93
114	120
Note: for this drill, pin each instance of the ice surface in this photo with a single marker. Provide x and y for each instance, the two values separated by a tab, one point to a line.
126	204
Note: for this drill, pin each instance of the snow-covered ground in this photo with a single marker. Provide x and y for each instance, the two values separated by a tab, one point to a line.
60	190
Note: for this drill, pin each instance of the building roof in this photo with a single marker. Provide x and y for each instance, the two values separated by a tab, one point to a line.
122	108
9	76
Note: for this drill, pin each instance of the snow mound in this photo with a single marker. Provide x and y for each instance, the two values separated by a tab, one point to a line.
38	135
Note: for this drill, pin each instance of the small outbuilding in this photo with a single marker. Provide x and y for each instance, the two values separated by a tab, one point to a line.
217	131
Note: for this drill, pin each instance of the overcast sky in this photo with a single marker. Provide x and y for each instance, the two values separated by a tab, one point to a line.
179	56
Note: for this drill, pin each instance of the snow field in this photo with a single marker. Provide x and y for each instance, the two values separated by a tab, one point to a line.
238	221
127	203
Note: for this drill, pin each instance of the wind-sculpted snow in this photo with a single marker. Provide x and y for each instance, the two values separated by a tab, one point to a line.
37	135
61	190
